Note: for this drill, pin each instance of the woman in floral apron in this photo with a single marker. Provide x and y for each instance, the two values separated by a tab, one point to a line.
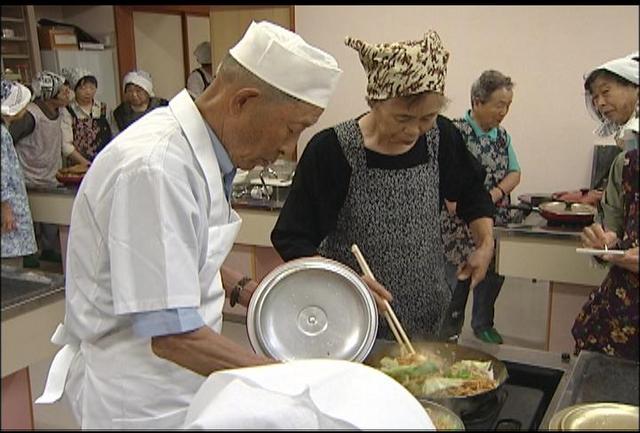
86	117
608	321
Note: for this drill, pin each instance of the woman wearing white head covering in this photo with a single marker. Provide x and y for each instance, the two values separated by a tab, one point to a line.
138	100
38	136
201	77
18	238
85	116
609	321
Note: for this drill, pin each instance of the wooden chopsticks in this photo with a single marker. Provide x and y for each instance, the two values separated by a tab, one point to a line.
391	317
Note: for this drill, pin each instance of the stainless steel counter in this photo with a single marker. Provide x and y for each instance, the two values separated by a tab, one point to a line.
60	190
597	377
32	307
244	202
23	290
536	225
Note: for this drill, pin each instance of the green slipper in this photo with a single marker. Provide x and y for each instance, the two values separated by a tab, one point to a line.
31	261
489	335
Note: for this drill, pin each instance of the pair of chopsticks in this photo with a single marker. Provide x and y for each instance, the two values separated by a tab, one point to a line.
391	317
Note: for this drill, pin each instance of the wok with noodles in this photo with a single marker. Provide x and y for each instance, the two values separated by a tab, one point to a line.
427	375
458	377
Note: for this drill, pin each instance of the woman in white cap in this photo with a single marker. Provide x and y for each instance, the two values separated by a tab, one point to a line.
138	100
609	321
85	117
18	238
202	76
152	225
38	137
379	180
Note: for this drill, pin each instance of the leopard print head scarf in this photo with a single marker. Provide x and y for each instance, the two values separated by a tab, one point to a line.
403	68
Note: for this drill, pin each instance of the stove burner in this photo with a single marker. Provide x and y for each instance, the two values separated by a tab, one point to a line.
487	411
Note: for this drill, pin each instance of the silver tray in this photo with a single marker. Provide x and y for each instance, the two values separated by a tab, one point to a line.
312	308
596	416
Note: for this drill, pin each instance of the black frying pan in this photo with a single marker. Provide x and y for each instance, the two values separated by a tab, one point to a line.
561	212
451	353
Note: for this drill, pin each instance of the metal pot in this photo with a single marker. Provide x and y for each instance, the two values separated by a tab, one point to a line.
561	212
451	353
443	418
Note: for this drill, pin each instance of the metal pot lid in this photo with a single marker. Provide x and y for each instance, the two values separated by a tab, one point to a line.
596	416
573	209
312	308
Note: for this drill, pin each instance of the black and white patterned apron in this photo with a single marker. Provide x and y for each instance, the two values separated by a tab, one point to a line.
392	215
494	157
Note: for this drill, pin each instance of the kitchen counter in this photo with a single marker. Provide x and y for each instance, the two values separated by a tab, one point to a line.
54	205
589	377
32	307
534	250
597	377
21	288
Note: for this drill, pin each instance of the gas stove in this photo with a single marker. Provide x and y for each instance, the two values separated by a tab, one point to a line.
542	383
520	403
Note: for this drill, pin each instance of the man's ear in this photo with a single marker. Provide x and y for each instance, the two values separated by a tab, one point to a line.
243	98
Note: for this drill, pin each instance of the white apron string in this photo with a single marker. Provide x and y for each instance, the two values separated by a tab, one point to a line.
60	366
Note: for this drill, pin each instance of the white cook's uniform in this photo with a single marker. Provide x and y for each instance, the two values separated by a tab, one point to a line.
150	228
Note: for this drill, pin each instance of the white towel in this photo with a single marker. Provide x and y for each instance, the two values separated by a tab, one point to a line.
305	394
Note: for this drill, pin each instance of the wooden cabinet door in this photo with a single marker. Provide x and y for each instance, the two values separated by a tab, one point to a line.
229	23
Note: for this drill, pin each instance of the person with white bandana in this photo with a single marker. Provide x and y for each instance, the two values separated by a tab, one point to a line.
152	225
609	321
18	238
612	98
85	121
138	100
201	77
40	145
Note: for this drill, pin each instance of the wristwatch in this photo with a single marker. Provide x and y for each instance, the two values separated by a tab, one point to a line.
235	292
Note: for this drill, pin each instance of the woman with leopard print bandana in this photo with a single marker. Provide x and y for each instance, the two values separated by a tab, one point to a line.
379	180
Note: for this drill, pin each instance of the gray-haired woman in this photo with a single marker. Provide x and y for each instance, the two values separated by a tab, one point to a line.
490	143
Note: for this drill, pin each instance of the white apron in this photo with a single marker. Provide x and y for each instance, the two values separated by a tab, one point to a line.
93	367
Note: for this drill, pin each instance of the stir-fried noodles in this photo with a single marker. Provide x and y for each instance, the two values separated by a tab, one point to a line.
427	375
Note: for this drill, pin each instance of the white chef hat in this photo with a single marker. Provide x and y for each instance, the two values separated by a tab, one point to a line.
139	78
284	60
15	97
203	53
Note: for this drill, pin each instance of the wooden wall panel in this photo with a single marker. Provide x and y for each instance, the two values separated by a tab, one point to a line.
228	24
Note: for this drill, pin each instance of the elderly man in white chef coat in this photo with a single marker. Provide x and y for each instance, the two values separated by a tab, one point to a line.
152	224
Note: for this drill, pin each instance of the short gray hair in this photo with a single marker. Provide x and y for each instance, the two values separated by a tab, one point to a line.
232	71
488	82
